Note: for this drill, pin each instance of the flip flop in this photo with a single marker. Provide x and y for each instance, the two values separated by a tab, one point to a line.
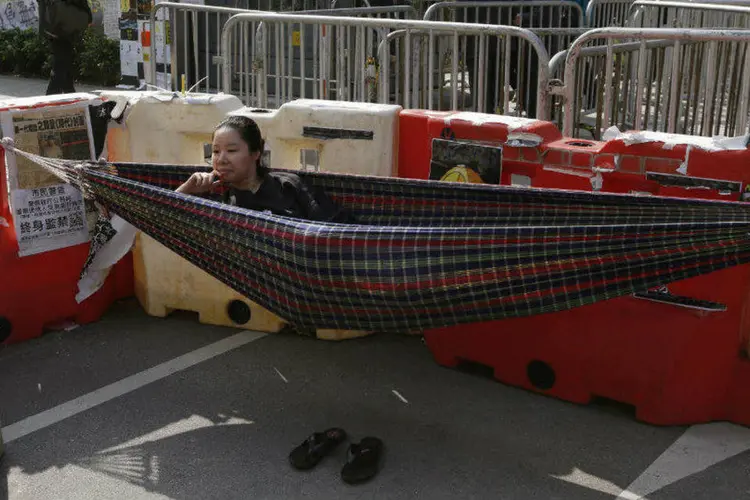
363	460
313	449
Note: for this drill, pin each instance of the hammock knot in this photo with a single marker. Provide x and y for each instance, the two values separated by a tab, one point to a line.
8	143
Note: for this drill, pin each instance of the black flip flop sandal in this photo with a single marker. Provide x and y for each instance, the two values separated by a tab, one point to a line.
308	454
363	460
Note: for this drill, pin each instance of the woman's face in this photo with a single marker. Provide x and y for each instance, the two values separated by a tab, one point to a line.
231	157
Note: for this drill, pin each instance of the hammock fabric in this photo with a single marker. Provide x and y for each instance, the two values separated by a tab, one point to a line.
425	254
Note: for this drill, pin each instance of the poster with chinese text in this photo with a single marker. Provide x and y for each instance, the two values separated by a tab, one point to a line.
48	218
47	213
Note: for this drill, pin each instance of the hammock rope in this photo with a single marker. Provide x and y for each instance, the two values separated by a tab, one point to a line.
423	254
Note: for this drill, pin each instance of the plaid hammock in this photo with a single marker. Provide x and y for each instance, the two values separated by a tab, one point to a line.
425	254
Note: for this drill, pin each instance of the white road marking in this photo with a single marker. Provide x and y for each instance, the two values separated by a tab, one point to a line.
191	423
590	481
281	375
126	385
700	447
399	396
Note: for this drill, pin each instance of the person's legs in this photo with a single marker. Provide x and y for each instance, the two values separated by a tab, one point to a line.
61	78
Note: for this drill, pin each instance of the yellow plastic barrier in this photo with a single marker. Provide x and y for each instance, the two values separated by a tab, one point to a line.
176	130
167	128
165	282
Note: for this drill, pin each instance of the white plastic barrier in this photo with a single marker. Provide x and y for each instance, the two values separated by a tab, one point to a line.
162	127
333	136
157	128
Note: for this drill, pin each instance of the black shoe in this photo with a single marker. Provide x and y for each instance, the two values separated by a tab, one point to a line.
308	454
363	460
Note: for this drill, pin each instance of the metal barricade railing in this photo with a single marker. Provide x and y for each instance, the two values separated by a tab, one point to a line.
182	47
333	41
671	14
526	14
348	4
505	76
605	13
557	22
389	61
686	81
589	91
286	5
186	38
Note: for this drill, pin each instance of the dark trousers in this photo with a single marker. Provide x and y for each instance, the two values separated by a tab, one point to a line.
61	78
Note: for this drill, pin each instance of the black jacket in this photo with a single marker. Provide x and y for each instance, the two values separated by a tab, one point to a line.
44	29
285	194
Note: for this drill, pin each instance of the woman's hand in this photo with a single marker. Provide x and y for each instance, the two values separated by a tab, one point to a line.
200	182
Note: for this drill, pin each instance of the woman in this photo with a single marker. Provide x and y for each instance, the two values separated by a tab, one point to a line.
236	161
237	149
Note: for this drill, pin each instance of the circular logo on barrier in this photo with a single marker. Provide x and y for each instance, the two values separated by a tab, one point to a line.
447	133
462	174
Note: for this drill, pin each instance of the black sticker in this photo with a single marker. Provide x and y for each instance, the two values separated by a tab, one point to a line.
466	162
337	133
688	182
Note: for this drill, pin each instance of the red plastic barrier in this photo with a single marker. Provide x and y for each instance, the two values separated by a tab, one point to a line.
654	157
643	168
39	290
556	162
674	365
739	403
565	163
418	128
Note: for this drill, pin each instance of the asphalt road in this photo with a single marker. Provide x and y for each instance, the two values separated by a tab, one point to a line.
14	86
222	428
134	407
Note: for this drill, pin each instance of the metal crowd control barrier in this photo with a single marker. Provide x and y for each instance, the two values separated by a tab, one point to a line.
604	13
195	36
671	14
183	49
693	82
508	75
534	14
589	90
284	5
557	22
366	65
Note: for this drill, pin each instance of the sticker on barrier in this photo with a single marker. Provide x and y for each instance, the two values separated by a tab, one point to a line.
465	162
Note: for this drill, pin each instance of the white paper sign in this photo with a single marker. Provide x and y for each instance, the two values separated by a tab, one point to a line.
130	54
48	218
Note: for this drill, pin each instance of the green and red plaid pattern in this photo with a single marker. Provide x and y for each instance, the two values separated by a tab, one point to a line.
425	254
429	254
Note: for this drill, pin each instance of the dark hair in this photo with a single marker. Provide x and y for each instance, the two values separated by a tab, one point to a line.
250	133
